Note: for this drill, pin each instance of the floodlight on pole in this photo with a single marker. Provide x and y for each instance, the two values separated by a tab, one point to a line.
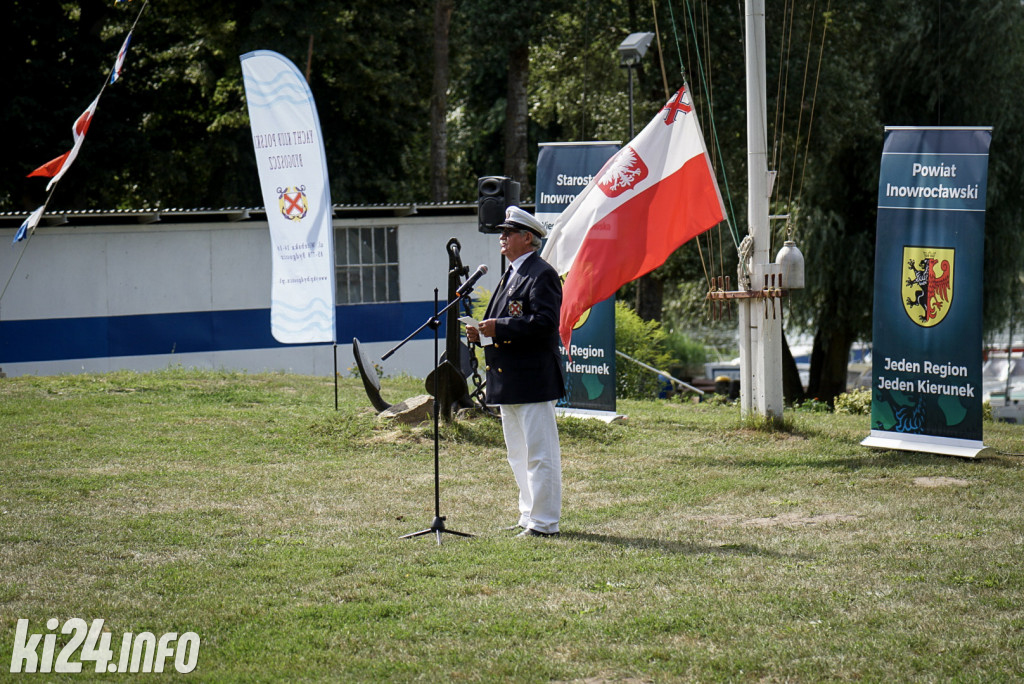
631	51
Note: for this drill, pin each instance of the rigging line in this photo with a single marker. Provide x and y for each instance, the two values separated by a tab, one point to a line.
110	73
706	23
778	89
689	56
705	107
53	189
705	12
778	98
707	40
708	98
28	239
705	90
139	15
675	33
706	32
700	250
814	101
800	118
661	54
706	29
787	55
13	270
732	221
702	107
709	279
721	253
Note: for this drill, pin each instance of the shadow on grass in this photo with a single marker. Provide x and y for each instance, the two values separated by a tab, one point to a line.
688	548
872	459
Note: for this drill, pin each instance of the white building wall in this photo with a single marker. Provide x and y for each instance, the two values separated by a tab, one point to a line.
97	271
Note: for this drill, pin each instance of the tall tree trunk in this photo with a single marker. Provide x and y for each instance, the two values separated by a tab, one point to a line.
633	14
792	388
830	357
516	118
439	102
650	294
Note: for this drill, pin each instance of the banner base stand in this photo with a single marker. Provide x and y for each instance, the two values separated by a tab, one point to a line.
962	448
607	416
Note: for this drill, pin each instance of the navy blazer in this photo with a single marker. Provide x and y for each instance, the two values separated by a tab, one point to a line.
524	364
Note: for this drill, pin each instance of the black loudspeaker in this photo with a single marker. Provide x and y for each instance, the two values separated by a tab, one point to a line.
494	195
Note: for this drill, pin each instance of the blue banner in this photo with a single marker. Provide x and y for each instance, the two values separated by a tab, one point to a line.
930	239
563	171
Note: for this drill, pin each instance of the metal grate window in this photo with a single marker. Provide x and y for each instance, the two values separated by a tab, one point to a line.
367	268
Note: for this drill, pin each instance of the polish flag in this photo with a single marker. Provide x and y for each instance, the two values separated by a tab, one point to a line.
119	63
656	193
55	168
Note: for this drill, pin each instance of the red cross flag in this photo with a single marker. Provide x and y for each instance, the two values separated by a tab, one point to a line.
55	168
656	193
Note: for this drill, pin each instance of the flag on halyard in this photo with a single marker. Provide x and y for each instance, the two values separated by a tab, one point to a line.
29	224
56	168
119	64
656	193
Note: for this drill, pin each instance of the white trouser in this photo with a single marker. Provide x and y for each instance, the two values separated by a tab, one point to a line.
531	437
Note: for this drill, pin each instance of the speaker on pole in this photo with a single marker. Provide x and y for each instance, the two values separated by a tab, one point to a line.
494	195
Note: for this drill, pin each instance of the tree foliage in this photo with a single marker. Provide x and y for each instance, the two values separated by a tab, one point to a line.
644	341
945	63
174	130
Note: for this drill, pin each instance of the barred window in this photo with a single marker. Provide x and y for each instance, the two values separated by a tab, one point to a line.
367	268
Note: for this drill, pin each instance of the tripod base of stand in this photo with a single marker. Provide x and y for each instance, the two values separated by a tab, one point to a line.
436	527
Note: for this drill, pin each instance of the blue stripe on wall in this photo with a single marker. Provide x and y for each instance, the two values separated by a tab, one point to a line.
54	339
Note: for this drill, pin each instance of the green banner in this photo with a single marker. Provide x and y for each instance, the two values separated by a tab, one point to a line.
930	238
563	171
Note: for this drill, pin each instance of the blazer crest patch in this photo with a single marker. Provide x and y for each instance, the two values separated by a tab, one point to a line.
515	308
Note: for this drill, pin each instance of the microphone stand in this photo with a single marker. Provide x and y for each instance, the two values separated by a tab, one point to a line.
437	527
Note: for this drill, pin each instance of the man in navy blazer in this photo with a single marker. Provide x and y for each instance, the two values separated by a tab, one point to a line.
524	370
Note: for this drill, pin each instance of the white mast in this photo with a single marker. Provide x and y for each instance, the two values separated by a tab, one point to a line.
760	323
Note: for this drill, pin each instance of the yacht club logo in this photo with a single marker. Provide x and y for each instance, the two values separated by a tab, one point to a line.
293	202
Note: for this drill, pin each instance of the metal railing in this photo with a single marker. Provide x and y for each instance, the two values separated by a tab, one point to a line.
677	381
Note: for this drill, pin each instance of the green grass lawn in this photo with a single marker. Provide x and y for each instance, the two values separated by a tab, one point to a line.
245	509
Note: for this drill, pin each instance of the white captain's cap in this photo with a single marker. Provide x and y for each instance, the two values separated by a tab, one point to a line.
520	220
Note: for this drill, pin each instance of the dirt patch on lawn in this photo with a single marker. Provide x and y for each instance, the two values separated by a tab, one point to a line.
796	520
783	520
932	482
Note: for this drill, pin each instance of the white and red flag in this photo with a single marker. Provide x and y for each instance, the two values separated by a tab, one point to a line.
656	193
29	224
115	73
55	168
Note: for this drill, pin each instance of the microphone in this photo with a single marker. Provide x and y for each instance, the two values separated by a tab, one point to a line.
467	286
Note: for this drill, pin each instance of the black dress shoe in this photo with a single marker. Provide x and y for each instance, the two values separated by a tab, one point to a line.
530	532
